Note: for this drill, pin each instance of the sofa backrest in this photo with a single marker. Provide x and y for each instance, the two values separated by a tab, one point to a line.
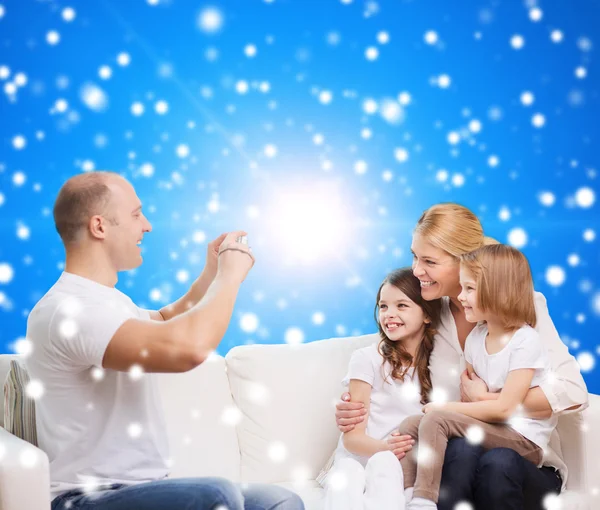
201	419
287	395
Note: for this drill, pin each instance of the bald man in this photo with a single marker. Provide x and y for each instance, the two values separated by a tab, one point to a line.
103	431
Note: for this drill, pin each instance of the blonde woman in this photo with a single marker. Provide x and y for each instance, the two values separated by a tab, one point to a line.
498	479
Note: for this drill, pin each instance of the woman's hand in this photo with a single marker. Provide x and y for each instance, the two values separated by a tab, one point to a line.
472	389
348	414
400	445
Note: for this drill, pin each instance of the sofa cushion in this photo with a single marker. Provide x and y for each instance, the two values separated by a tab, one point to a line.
5	360
19	409
200	417
287	397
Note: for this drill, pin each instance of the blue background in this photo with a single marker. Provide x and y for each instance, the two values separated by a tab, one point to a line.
228	180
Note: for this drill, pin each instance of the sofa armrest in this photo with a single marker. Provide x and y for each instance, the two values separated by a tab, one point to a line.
579	449
592	428
574	500
24	475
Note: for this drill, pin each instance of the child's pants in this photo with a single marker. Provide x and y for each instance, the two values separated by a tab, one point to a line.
422	466
377	486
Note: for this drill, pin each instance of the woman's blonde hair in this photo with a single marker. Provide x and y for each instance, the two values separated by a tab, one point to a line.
452	228
394	352
504	283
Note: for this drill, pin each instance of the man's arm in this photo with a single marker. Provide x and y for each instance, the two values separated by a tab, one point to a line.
198	289
192	297
182	343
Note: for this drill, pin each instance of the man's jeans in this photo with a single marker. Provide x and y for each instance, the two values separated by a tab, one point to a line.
181	494
499	479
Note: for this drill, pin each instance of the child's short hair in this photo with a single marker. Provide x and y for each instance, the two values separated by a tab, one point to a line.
504	283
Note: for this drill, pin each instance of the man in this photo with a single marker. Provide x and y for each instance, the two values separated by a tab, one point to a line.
103	430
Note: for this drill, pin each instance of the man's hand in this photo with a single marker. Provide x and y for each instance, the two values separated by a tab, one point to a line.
400	445
212	256
472	389
348	414
234	259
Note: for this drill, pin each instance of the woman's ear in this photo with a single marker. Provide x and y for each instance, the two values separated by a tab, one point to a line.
427	320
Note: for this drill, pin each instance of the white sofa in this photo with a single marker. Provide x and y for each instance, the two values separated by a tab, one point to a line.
265	413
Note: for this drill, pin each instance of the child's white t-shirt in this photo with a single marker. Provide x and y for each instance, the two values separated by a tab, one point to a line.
523	350
391	400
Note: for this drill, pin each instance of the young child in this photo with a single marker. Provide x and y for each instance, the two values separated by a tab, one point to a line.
392	380
507	353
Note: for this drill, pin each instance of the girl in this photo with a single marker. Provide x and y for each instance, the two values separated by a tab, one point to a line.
392	380
506	352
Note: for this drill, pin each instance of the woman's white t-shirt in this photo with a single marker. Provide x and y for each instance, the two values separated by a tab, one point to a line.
391	400
524	350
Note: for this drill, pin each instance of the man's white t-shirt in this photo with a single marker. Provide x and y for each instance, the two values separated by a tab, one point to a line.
391	400
523	350
96	426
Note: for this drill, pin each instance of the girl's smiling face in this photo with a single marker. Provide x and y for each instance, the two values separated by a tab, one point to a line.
468	296
399	316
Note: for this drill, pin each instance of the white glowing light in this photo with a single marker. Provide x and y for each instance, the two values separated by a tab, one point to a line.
210	20
23	347
34	389
517	42
439	395
517	237
555	276
294	336
431	37
257	393
134	430
277	451
249	322
475	434
93	97
231	416
29	457
309	224
136	372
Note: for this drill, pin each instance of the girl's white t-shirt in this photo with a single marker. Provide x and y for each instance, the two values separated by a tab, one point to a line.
391	400
523	350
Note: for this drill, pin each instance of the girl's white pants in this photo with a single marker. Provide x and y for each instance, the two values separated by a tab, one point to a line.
377	486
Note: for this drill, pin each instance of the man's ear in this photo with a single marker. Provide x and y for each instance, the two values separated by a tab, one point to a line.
97	227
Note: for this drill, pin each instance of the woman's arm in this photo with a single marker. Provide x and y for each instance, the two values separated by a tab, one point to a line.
565	390
500	409
348	413
356	441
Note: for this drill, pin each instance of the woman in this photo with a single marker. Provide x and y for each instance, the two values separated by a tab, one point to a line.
497	479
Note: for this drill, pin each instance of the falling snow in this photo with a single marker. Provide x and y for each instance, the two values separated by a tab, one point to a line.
212	135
